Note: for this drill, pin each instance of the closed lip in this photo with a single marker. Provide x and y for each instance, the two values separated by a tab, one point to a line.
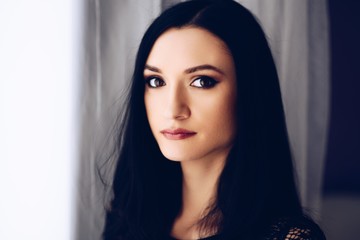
177	134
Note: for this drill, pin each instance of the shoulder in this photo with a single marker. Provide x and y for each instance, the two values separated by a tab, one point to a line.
300	228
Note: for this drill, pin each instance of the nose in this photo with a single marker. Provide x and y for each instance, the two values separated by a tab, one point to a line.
177	105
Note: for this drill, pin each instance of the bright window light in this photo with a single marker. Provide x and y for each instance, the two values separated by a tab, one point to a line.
39	62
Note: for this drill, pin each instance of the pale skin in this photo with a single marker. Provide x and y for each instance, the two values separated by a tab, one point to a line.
191	85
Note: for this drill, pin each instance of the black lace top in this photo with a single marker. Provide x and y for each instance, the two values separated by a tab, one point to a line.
287	229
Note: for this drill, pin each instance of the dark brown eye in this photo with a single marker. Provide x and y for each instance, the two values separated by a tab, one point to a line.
155	82
204	82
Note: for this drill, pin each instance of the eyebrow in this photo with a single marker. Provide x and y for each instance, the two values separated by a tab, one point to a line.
189	70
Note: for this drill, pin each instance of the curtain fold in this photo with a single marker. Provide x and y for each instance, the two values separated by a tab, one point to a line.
298	35
112	35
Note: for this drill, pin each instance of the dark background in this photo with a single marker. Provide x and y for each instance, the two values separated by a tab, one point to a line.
342	168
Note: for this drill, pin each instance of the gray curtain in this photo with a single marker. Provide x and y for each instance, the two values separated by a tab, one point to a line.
113	31
298	34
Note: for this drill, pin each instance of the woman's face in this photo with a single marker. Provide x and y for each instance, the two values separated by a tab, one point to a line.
190	94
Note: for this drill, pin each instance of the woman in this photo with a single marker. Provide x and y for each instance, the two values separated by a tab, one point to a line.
204	152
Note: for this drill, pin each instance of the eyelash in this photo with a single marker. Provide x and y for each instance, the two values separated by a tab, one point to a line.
204	81
210	82
149	81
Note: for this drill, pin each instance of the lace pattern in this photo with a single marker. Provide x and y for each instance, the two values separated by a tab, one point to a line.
286	229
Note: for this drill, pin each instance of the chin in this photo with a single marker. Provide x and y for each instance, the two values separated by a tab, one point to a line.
178	155
174	157
175	150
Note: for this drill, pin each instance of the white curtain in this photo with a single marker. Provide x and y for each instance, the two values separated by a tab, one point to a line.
298	34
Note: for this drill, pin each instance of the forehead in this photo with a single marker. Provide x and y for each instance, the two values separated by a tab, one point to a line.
188	46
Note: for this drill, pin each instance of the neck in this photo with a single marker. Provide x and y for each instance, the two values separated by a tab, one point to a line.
200	181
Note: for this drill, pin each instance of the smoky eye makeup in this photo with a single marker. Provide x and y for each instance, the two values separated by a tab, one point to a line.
205	82
154	81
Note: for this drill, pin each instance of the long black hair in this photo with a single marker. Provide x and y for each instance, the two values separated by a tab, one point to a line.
257	183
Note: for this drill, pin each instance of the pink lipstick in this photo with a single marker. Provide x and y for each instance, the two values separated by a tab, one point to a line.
177	134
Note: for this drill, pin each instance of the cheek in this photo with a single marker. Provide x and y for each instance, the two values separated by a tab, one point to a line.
219	115
226	120
153	109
